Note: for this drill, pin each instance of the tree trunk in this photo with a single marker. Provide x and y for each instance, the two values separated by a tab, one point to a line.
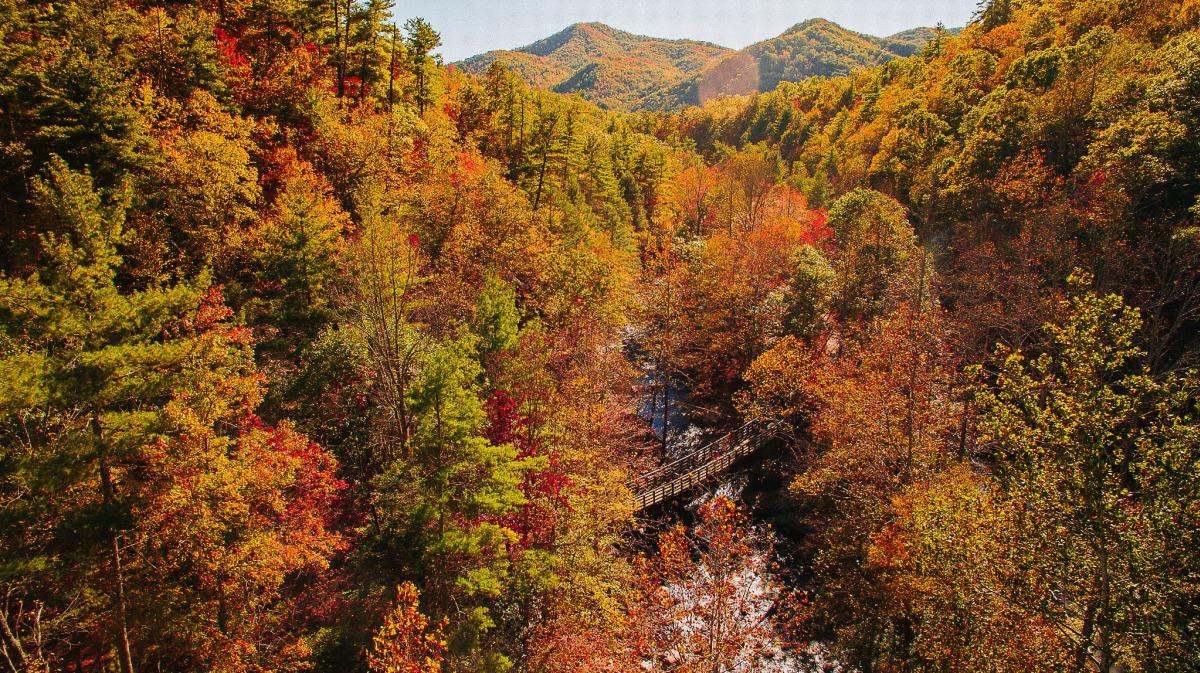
664	367
521	129
122	628
108	492
1093	645
362	79
392	72
666	405
508	139
912	377
18	660
120	625
1082	654
362	70
537	198
337	49
420	71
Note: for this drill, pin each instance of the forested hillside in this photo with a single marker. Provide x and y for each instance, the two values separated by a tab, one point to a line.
316	355
814	48
1045	138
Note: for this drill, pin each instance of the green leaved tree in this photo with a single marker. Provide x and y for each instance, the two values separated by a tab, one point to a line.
1101	457
875	242
421	38
444	503
86	369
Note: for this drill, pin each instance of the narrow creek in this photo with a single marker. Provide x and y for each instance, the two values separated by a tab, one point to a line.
760	485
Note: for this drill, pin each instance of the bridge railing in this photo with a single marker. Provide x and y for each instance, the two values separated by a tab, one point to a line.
693	457
698	464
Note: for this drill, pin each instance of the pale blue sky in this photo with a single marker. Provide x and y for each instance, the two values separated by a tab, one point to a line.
469	27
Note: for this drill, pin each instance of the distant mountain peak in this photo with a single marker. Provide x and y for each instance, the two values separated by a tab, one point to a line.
812	23
594	25
576	32
590	29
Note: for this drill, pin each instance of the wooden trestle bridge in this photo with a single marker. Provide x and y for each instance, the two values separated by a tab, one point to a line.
698	465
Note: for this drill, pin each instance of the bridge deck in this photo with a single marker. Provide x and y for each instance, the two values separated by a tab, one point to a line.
698	465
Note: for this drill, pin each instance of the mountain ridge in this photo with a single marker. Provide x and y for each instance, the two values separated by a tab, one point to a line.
622	70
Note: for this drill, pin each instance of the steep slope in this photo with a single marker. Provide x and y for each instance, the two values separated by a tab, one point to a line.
823	48
609	67
909	42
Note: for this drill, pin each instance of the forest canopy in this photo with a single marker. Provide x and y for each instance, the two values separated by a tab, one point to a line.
317	354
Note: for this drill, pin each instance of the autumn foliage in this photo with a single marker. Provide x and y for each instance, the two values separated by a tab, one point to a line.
319	355
407	642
